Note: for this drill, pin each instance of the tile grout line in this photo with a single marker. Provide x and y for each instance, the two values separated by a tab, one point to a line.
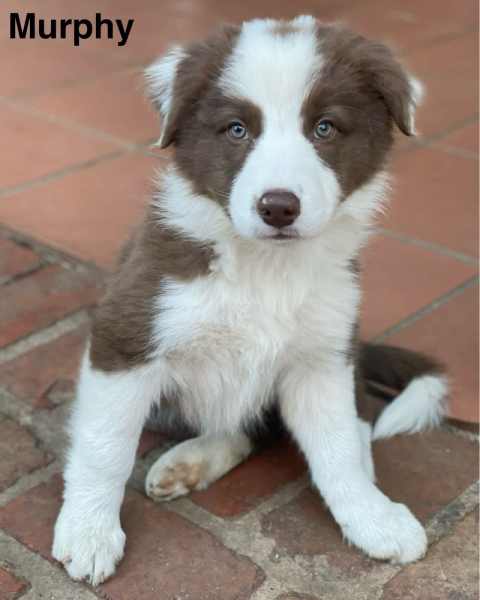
14	409
10	279
40	573
245	537
55	175
429	141
461	433
442	523
427	309
446	518
44	336
72	125
432	246
29	481
454	151
50	254
437	40
123	66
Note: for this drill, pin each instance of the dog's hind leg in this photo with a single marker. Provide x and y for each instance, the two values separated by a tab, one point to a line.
195	464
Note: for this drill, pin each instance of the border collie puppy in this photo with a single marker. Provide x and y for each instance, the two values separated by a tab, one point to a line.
239	293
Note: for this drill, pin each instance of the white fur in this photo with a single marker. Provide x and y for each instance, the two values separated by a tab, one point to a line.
202	219
267	316
276	73
365	430
194	216
227	335
222	340
195	464
319	407
106	423
421	405
160	78
417	92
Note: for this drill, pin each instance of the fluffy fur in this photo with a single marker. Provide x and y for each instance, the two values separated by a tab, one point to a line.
216	317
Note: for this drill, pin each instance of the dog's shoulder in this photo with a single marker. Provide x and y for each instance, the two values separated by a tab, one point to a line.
122	328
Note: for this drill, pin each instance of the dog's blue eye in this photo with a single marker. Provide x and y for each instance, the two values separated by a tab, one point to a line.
324	129
237	130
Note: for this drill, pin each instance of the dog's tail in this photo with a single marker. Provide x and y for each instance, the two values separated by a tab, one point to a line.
420	381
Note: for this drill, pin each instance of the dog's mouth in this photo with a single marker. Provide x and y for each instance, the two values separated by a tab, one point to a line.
282	236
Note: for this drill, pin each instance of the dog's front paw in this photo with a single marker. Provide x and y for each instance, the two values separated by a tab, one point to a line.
387	531
89	548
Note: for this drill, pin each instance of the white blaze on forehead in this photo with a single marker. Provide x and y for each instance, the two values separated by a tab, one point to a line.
274	65
273	68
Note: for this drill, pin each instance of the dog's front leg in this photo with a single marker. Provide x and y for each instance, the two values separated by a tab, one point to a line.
319	408
107	419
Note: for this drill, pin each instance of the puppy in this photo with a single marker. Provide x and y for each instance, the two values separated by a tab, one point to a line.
239	293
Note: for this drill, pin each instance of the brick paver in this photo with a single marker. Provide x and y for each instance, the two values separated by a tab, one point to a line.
42	299
44	377
19	451
30	517
450	333
246	486
450	572
166	554
15	260
108	199
410	276
169	556
422	206
465	138
295	596
11	587
75	179
304	528
26	133
423	471
95	104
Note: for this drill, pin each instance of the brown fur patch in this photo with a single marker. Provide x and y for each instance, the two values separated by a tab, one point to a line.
205	154
196	73
200	115
393	367
363	90
122	326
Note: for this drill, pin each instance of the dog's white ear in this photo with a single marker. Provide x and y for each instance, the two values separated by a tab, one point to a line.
417	94
160	78
176	81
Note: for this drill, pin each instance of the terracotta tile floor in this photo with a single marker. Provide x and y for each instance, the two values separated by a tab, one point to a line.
76	170
78	130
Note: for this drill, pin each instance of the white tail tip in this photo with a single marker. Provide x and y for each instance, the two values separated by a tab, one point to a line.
421	405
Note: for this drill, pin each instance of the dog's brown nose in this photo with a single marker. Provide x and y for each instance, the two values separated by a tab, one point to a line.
278	208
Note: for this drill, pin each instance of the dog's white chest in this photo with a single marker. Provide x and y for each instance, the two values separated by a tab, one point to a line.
226	340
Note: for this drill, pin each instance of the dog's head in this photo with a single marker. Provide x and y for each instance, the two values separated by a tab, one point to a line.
279	122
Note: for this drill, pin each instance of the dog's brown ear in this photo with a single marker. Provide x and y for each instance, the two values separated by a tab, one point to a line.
176	81
400	91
